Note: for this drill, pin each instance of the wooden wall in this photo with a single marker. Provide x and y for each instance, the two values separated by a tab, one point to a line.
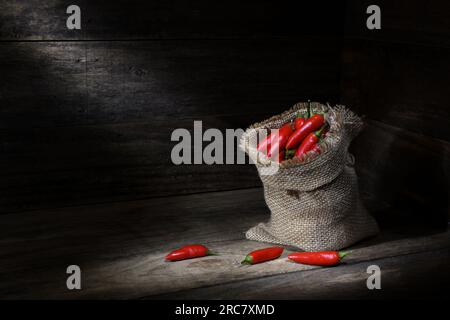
399	78
86	115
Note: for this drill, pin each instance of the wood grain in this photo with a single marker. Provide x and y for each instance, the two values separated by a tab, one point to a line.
69	83
156	19
412	276
415	22
405	173
401	85
397	77
120	247
47	167
89	122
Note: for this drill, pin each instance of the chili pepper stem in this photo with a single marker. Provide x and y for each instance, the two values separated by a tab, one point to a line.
212	253
289	153
343	254
309	109
300	115
319	132
247	260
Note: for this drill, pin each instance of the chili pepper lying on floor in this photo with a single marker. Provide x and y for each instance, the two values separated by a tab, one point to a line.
312	124
188	252
273	143
263	255
324	258
310	142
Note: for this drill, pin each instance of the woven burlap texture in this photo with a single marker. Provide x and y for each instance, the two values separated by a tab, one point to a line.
314	202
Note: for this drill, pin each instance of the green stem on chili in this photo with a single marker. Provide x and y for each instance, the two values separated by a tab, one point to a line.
309	109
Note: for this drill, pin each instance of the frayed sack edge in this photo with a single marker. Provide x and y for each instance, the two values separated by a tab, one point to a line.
342	122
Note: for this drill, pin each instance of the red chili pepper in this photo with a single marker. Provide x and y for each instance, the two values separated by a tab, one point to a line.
312	124
188	252
309	143
273	145
324	258
263	255
299	121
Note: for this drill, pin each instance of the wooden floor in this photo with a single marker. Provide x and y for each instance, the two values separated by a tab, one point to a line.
120	248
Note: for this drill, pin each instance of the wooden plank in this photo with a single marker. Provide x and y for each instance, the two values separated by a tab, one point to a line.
42	84
186	79
47	167
90	186
93	121
417	22
421	275
72	83
120	247
405	173
196	217
398	84
138	19
116	145
40	244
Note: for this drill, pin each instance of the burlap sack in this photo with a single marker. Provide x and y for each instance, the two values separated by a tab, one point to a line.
314	202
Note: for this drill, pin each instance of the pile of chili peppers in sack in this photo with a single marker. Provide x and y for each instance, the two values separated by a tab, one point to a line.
323	258
293	140
296	138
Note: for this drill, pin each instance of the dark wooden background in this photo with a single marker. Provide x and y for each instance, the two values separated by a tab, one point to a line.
86	115
399	78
